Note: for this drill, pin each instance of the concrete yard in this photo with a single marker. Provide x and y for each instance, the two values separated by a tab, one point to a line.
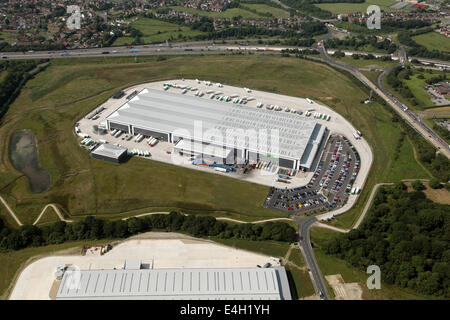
159	250
163	150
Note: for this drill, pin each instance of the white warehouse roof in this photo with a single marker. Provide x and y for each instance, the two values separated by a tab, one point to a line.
109	150
177	284
166	112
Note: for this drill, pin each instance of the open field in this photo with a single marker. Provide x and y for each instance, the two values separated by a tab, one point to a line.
157	31
55	99
371	75
433	41
441	195
356	7
265	9
330	266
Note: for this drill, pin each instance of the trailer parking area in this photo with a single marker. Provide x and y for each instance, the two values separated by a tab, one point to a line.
330	186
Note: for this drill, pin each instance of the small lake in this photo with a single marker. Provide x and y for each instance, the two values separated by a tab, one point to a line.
24	157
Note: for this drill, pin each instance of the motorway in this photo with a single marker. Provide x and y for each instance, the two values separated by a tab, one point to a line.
408	116
208	47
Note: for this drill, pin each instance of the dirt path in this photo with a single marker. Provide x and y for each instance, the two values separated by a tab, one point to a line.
55	208
417	159
10	211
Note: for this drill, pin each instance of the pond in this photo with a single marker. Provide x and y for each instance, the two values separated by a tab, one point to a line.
24	157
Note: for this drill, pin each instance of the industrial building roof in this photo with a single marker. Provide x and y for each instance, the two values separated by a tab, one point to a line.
109	150
199	148
169	112
176	284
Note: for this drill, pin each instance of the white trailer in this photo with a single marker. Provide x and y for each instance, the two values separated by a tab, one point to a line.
220	169
309	100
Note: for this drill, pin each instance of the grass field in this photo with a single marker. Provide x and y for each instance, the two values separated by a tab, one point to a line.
265	9
270	248
330	265
356	7
55	99
372	75
433	41
157	31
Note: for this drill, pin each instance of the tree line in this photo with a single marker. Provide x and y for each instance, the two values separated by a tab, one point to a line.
407	236
17	75
92	228
356	43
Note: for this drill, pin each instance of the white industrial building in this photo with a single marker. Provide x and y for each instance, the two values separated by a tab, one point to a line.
248	134
176	284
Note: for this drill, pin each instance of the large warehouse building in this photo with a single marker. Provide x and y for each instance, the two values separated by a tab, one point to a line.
176	284
248	134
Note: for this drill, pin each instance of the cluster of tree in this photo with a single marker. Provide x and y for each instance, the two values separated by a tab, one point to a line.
308	30
204	25
299	52
407	24
442	132
415	49
92	228
6	47
406	235
17	75
438	78
358	42
394	79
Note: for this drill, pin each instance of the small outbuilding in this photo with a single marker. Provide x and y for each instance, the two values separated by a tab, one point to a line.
109	152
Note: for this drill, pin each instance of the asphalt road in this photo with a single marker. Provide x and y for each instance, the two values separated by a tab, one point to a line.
408	116
304	224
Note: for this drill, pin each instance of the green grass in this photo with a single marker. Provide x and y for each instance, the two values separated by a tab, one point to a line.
302	281
356	7
8	37
363	63
296	257
371	75
270	248
433	41
157	31
265	9
330	265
